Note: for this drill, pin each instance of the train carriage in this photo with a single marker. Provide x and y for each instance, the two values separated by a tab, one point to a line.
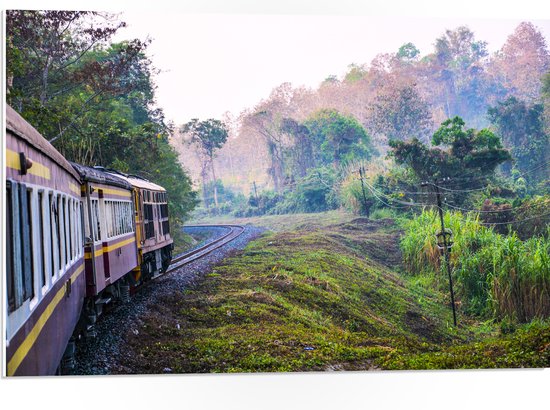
110	247
45	281
154	241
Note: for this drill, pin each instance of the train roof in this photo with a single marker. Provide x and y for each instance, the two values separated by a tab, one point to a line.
16	124
139	182
98	175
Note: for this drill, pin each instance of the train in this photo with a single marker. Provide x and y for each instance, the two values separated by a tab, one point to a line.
78	238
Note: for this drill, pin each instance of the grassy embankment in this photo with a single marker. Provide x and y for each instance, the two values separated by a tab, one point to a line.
325	291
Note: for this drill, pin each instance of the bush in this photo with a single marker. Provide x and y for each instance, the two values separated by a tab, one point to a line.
497	275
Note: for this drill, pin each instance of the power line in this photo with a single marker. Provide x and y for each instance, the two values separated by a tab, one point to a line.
468	179
516	221
527	206
407	204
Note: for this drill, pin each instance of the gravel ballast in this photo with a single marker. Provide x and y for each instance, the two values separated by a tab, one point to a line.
102	355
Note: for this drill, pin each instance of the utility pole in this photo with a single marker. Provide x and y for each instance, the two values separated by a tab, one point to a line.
256	193
365	206
444	237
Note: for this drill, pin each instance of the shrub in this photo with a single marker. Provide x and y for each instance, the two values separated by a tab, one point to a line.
496	274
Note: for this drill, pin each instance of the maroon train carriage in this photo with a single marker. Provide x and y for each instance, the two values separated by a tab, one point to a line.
110	247
154	241
45	281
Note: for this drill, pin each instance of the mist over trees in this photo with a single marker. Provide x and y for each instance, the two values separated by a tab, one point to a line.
399	96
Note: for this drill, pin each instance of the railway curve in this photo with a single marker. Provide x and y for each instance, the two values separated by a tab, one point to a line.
104	354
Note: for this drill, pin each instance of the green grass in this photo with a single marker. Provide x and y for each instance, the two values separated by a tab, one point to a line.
279	223
529	346
496	275
317	298
182	241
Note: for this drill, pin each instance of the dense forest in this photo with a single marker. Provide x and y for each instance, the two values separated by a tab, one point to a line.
300	149
91	98
458	136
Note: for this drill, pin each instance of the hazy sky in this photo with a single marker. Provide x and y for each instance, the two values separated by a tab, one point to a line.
216	63
226	55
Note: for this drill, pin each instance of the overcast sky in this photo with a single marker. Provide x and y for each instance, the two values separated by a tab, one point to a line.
216	63
226	55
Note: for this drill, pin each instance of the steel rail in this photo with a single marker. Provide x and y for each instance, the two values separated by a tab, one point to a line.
188	257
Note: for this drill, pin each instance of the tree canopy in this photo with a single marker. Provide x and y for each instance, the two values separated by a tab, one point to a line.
93	99
457	153
337	137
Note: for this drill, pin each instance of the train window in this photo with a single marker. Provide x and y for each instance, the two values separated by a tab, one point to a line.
68	230
28	247
53	229
118	218
10	245
75	229
96	223
42	247
60	236
66	242
80	228
19	246
108	219
83	220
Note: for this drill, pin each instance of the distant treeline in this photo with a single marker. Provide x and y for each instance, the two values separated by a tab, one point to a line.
398	96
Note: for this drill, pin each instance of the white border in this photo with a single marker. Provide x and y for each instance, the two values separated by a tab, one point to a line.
424	389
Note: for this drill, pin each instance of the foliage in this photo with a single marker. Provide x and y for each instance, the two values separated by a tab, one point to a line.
227	197
469	153
210	134
312	193
401	114
408	52
293	301
525	347
318	297
410	90
522	130
496	274
94	100
337	138
525	52
457	64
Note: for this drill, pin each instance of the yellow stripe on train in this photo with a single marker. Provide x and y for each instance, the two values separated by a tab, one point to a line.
29	341
88	255
117	192
13	161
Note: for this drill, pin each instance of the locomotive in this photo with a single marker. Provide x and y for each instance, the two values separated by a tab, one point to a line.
77	239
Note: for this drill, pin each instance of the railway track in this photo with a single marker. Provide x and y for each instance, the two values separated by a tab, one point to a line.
188	257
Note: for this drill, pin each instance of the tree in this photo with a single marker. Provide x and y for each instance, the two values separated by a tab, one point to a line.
408	52
300	153
465	154
458	65
266	119
337	138
58	70
400	113
209	135
545	92
92	99
522	128
521	62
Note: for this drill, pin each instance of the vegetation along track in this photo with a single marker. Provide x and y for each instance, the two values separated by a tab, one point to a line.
104	354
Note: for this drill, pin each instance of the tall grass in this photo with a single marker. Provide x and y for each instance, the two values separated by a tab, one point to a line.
497	275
